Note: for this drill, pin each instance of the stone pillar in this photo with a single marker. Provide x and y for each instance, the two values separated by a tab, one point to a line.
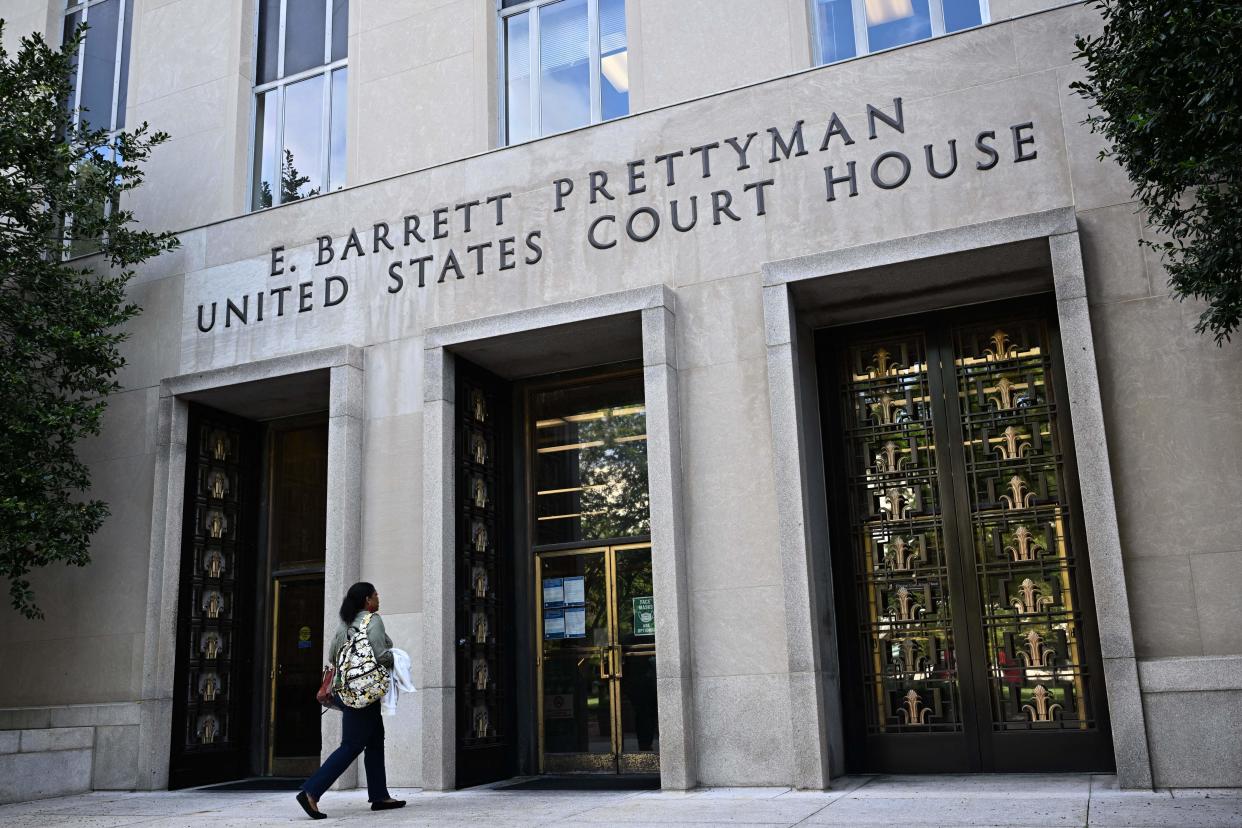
1112	607
346	411
668	556
163	582
439	665
814	703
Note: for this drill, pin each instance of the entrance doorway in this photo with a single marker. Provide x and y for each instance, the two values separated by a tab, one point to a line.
211	716
596	666
968	633
297	498
592	595
250	612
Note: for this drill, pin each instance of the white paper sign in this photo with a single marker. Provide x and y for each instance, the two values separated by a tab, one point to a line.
554	624
553	592
575	590
575	622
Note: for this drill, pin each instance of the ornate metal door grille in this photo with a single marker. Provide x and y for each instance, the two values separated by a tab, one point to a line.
902	575
211	737
485	741
974	645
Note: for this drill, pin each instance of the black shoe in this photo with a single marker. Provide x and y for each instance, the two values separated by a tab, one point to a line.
387	804
311	811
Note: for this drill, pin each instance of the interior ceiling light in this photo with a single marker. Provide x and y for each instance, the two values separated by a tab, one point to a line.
616	67
885	11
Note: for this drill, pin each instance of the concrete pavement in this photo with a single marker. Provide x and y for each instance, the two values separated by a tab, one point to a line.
1014	800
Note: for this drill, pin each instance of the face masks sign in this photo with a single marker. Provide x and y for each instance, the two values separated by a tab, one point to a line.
475	238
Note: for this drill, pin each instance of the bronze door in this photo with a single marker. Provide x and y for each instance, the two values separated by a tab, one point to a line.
486	743
211	703
968	640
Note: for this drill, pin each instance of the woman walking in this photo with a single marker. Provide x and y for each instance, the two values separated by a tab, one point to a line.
362	728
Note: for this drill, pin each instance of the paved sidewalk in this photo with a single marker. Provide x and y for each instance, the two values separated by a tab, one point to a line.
1016	800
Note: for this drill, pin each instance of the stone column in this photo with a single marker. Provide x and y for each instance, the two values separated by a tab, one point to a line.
439	666
668	556
814	698
346	412
163	581
1112	607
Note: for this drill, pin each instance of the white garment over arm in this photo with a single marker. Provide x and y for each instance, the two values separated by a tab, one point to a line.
400	682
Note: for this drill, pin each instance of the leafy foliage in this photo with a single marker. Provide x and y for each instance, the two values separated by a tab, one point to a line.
291	184
60	188
1166	76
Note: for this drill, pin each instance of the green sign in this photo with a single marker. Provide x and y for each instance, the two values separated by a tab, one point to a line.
644	615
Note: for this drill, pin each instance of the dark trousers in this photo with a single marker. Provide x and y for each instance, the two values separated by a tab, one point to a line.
362	730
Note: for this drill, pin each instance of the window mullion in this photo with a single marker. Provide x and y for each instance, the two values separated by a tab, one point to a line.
325	134
593	55
862	44
116	69
936	9
77	91
278	184
280	46
536	81
502	49
303	75
255	152
327	32
985	16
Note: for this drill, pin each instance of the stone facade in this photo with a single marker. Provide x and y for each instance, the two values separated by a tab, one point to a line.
718	314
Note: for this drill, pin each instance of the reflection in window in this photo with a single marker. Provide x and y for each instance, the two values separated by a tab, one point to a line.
300	100
101	65
589	462
845	28
566	65
98	82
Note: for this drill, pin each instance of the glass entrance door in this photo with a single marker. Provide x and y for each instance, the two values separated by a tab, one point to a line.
962	568
297	647
596	662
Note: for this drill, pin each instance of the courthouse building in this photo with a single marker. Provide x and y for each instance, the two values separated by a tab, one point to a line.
746	393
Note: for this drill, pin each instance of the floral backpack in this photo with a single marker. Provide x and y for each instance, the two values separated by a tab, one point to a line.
363	680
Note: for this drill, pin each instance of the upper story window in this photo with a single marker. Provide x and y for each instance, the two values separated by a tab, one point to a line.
101	66
299	100
846	28
565	65
97	90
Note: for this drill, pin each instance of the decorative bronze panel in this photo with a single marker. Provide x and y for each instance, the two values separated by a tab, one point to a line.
211	738
485	742
1024	557
961	566
901	574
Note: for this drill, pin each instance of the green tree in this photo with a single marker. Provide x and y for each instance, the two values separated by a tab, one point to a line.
291	184
1166	77
60	188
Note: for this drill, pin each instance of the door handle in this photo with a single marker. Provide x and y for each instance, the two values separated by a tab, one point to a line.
619	660
603	657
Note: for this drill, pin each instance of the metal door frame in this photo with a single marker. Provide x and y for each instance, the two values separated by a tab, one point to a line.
274	582
612	654
268	583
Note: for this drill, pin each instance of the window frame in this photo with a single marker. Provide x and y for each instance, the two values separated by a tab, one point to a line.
280	84
83	7
123	14
595	91
862	45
